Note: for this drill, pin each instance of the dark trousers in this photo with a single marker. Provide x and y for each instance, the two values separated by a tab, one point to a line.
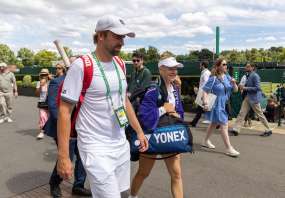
79	172
229	110
198	115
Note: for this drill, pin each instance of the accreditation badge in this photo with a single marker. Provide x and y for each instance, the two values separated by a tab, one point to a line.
121	116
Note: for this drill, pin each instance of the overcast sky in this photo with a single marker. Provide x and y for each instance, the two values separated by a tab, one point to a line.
175	25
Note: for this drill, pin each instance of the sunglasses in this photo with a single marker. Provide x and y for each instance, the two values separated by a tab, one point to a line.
59	68
224	64
136	60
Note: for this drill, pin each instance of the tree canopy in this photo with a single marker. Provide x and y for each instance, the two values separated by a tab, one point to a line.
45	58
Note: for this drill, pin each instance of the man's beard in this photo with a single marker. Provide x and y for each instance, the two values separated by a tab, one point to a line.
114	52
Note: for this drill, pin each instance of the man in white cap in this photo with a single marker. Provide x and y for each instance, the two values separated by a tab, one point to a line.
8	88
103	115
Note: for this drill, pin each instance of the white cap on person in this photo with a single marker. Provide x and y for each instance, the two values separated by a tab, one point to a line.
170	62
114	24
3	64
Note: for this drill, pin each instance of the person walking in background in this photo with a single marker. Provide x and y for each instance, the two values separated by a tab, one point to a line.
41	91
8	89
253	97
51	130
250	115
205	74
222	85
140	76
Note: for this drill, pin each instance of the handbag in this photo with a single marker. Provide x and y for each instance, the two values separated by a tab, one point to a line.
42	105
211	98
172	136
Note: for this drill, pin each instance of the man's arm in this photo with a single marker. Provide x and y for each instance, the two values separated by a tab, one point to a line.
64	165
15	88
136	125
204	79
256	85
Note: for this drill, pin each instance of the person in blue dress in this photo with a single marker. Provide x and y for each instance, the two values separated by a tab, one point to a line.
156	103
221	84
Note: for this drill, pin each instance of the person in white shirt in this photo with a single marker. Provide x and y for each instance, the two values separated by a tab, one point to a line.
205	74
102	143
250	114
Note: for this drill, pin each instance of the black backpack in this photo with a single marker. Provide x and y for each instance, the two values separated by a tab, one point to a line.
138	95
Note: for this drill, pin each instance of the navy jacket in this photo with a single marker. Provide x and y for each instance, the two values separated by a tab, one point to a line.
50	127
252	88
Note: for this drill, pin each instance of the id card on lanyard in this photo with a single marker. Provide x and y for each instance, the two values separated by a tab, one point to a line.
119	112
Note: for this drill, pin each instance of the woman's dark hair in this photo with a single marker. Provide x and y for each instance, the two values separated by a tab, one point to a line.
137	55
205	64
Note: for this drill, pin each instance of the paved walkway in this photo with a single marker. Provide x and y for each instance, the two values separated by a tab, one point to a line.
259	172
43	191
257	126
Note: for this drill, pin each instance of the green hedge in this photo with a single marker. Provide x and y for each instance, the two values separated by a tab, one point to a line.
27	82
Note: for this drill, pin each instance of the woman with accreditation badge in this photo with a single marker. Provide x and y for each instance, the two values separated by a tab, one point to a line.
150	114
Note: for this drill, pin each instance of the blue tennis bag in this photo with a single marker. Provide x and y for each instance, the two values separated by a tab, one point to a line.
174	138
171	136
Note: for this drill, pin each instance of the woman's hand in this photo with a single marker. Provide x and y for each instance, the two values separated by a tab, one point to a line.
169	108
205	106
175	114
143	142
233	81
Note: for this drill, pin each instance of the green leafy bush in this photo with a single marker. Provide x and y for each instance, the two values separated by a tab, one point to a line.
27	81
19	83
34	84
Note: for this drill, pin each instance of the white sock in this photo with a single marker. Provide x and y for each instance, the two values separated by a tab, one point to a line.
133	196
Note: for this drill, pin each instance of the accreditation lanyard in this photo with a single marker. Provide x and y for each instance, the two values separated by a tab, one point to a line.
119	112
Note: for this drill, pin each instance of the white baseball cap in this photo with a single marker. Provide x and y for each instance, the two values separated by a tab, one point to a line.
170	62
3	64
114	24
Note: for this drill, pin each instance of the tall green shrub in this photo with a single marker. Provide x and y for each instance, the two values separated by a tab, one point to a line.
27	81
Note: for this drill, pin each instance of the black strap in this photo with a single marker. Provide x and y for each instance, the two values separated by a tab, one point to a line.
225	89
159	158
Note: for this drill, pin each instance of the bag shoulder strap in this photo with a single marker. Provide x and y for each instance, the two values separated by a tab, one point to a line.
88	74
213	83
87	79
121	63
225	89
59	94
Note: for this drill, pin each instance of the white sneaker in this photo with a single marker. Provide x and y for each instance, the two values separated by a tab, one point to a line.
208	144
41	135
2	120
232	152
9	119
206	122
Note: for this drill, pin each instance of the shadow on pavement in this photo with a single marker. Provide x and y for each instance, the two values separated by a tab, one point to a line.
251	134
29	132
199	148
26	181
50	155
